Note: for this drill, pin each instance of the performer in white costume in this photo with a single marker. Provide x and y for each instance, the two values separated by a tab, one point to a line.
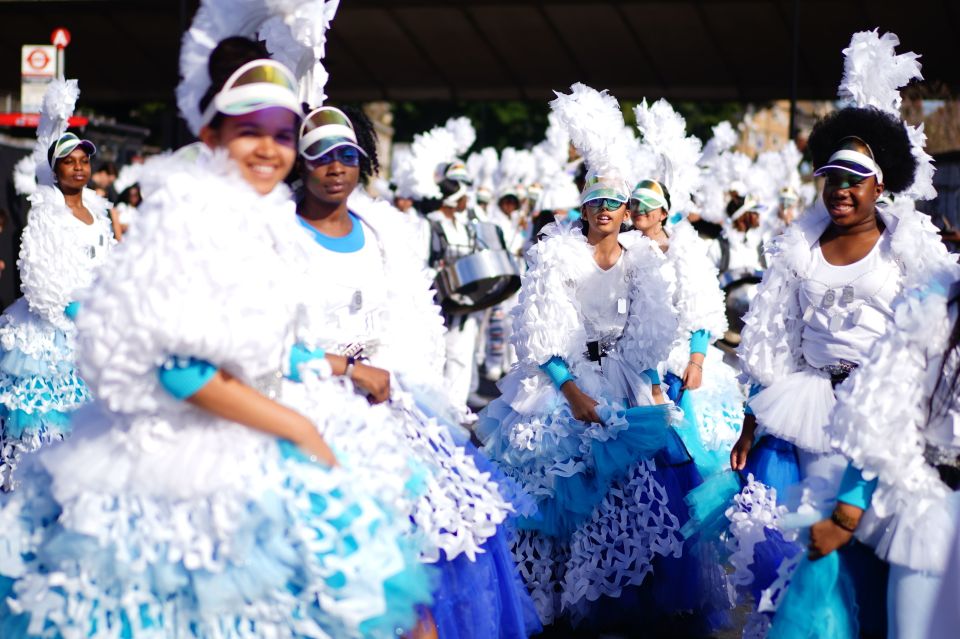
377	307
67	238
577	424
190	501
825	300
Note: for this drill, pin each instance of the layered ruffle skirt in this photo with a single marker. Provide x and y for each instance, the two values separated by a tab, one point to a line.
187	526
39	386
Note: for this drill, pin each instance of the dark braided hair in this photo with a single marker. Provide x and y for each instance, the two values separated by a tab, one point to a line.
885	134
367	139
228	56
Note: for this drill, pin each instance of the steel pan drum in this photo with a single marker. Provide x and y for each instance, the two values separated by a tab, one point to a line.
481	279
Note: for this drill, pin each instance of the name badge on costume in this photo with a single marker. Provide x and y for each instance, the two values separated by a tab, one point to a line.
621	306
356	302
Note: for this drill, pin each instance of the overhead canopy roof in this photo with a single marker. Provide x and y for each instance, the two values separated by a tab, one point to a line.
125	51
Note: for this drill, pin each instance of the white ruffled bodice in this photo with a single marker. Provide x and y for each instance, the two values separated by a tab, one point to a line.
602	296
395	309
59	254
771	346
211	270
882	423
699	300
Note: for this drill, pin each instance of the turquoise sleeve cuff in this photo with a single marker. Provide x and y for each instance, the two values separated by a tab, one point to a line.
754	389
300	354
699	342
183	380
653	375
557	370
71	310
855	490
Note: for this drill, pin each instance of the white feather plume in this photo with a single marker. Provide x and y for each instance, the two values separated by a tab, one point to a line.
724	138
430	151
873	74
464	135
665	134
59	102
128	176
595	125
482	167
517	167
295	31
25	175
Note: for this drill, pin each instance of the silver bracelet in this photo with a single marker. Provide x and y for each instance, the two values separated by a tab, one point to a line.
693	363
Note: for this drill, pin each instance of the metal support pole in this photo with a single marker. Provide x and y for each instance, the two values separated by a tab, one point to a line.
795	71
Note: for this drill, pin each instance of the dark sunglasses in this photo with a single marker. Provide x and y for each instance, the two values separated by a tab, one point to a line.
345	155
608	204
639	208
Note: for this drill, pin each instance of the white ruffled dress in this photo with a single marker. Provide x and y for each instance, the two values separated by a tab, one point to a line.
604	514
379	297
713	413
158	519
39	385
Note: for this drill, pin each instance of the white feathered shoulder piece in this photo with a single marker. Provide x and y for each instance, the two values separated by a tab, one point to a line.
873	74
664	132
414	346
59	254
294	30
868	418
699	299
595	125
211	270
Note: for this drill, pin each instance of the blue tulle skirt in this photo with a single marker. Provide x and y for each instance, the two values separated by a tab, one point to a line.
293	572
576	496
685	594
773	461
709	462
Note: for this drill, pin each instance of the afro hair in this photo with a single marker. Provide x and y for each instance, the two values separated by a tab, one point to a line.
885	133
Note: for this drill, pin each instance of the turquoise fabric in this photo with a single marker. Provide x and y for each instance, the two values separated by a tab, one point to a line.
349	243
71	310
699	341
300	354
183	379
653	375
557	370
820	602
855	490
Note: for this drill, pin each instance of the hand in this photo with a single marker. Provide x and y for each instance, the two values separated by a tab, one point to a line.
583	407
738	456
692	376
657	393
426	628
375	381
825	537
313	444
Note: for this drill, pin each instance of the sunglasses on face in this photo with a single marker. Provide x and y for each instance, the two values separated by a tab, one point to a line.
844	180
345	155
607	204
639	208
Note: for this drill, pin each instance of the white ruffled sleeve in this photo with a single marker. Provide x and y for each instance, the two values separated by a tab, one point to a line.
770	341
878	424
546	320
699	299
652	328
197	276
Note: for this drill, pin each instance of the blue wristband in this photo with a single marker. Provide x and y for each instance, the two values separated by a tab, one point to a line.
653	375
754	389
855	490
183	380
557	370
72	309
300	354
699	341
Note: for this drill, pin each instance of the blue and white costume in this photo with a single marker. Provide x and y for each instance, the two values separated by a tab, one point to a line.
39	384
713	413
159	519
603	511
896	444
377	296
